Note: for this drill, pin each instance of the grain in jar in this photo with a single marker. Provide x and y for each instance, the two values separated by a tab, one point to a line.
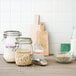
23	54
9	45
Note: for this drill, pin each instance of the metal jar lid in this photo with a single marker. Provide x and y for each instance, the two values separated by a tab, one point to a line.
12	33
24	40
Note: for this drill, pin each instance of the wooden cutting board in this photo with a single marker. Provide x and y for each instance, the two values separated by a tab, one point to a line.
42	38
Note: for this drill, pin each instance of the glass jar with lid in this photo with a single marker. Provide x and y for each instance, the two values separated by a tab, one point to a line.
73	43
23	54
9	45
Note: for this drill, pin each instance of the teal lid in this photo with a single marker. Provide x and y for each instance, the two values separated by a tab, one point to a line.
65	47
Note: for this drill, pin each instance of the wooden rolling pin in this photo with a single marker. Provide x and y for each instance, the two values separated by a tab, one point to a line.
35	28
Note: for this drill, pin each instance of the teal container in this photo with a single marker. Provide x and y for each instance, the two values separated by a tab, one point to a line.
65	47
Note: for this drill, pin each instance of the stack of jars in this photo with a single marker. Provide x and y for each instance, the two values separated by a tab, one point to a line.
19	50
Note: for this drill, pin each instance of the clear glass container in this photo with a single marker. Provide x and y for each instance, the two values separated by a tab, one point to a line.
73	44
63	58
23	54
38	52
38	55
9	45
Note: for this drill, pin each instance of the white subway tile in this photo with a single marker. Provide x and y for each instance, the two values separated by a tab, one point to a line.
58	15
42	5
62	27
55	48
60	37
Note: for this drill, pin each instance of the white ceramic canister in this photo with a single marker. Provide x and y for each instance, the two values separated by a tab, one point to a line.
9	45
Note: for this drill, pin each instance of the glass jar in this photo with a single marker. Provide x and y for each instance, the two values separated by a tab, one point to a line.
72	52
63	58
38	55
38	52
9	45
23	54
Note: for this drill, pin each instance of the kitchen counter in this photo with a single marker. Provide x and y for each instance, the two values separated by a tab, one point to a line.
53	69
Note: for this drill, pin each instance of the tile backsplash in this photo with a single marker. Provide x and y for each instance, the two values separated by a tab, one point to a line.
58	15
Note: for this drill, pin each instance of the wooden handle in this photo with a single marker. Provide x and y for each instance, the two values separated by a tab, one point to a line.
42	26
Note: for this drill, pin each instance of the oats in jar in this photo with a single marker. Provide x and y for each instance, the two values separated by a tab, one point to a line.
23	57
63	58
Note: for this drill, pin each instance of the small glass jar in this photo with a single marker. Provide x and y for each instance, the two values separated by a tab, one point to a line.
23	54
38	55
9	45
63	58
38	52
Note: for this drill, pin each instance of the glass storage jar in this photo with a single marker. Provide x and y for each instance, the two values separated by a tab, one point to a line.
23	54
63	58
38	52
38	55
9	45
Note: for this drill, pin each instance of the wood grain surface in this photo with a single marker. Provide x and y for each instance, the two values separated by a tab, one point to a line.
53	69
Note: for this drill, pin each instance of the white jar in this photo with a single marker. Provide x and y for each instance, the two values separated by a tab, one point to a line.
9	45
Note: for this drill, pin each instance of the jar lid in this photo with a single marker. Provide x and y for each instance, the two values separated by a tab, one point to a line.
12	33
23	40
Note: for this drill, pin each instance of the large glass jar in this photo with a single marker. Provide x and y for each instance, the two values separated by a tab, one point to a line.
9	45
23	54
73	44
